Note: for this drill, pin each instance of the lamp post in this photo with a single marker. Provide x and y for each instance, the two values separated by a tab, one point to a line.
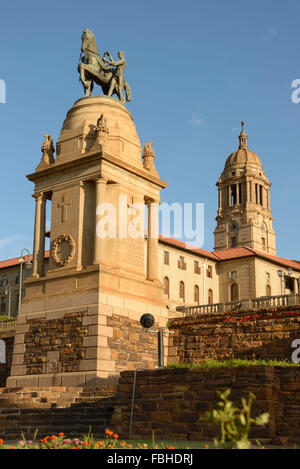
27	265
280	274
8	292
147	321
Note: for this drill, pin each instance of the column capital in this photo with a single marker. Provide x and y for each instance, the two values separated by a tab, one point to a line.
100	180
39	196
150	200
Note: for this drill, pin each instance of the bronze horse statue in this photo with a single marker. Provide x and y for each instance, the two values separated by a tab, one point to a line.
92	68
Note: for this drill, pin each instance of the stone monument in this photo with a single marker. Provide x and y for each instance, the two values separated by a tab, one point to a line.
79	316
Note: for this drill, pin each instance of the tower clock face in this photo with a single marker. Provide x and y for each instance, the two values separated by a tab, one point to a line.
233	227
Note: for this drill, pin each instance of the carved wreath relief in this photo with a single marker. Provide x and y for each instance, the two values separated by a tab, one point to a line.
63	250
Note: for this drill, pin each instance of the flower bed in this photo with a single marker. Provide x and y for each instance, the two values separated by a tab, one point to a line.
60	441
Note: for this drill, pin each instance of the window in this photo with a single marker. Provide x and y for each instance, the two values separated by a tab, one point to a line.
197	269
166	286
268	290
18	279
233	274
240	193
4	280
181	263
234	292
3	304
209	271
166	258
233	242
233	200
260	195
181	290
196	294
210	297
263	243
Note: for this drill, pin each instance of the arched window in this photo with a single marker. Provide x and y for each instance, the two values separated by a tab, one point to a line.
210	297
2	351
234	292
268	290
166	286
181	290
196	294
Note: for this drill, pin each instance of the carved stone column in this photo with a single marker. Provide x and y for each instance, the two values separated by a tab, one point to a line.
229	196
39	236
220	198
82	189
100	194
152	240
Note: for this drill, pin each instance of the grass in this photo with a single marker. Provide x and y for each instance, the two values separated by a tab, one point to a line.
4	317
234	362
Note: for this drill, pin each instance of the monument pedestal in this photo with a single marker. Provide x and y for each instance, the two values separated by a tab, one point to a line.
79	322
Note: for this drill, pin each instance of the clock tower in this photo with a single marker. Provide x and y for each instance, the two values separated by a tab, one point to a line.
244	215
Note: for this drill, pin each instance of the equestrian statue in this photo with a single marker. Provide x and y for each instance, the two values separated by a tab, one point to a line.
105	72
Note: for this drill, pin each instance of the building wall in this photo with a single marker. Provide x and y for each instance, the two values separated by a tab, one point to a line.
262	269
188	276
240	272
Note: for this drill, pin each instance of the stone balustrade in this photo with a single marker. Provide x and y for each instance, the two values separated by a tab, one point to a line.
7	325
242	305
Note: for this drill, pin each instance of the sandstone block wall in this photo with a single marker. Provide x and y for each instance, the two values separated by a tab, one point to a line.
51	410
173	401
253	335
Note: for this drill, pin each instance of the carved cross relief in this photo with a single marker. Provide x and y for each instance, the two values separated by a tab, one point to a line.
63	205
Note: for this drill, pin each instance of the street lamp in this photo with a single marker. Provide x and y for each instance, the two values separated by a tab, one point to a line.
27	265
147	322
8	292
280	275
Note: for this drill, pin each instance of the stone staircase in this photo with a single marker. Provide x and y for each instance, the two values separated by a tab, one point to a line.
73	411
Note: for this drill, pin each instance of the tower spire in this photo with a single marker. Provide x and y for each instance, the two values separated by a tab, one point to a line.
243	137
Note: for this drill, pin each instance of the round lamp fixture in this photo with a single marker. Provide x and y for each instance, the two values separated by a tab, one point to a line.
147	320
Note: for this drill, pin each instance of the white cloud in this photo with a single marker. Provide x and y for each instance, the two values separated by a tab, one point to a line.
195	120
271	34
9	240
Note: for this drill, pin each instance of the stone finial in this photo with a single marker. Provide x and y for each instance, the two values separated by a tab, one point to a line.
48	152
101	126
101	130
243	137
148	157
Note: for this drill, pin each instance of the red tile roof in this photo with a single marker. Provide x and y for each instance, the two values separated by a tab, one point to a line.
235	253
188	247
15	261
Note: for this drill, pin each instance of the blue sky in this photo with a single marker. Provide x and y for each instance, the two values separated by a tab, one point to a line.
196	69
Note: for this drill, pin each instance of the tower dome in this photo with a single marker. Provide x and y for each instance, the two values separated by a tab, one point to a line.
242	156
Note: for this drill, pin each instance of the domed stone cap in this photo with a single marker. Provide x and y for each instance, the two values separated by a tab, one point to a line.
243	156
79	131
